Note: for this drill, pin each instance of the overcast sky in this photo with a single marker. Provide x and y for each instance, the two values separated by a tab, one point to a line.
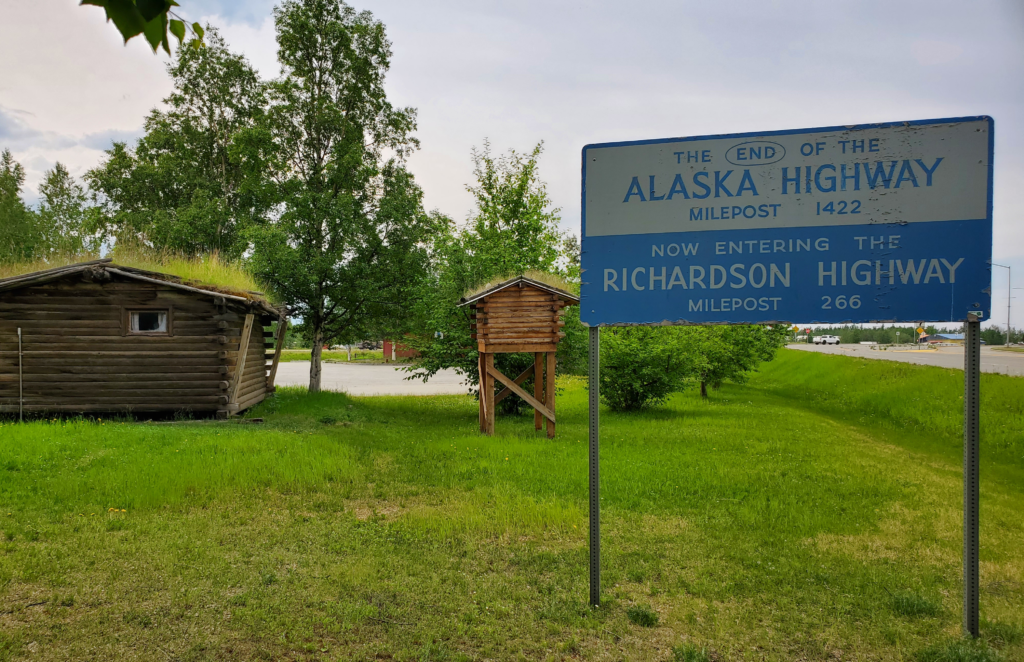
568	73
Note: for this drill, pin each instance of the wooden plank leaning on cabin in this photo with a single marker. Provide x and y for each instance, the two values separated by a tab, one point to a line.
240	366
282	329
253	388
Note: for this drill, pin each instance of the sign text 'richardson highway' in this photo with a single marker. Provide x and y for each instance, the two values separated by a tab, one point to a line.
877	222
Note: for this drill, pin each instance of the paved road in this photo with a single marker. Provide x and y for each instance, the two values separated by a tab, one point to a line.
368	379
992	360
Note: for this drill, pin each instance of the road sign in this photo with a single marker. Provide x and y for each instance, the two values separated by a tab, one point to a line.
920	330
869	223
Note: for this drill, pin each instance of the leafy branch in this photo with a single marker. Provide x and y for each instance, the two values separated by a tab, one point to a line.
152	19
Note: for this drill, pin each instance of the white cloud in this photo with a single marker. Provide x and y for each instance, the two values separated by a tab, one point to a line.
929	51
257	42
68	80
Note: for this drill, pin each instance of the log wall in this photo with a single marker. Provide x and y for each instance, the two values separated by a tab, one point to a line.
518	320
78	356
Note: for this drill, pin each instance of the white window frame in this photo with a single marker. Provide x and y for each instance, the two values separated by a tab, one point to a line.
129	316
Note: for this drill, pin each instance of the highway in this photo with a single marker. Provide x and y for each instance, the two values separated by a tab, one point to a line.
992	359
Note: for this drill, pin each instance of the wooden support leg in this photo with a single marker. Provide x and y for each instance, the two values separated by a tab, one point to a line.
482	398
550	392
489	392
538	386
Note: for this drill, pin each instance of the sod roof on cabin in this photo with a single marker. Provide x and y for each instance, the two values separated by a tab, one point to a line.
133	273
520	281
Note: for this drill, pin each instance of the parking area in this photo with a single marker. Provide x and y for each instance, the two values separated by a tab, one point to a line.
992	359
369	379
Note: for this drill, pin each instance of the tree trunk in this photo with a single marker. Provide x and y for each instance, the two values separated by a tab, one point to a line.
315	365
704	390
349	347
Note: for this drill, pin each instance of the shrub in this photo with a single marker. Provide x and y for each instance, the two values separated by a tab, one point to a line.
641	366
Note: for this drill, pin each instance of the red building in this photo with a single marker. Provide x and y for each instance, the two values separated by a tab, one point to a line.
395	351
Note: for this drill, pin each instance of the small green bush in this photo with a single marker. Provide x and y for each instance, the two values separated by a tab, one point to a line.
641	366
642	615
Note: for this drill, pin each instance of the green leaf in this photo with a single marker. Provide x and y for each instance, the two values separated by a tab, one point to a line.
177	28
150	9
124	14
156	31
198	29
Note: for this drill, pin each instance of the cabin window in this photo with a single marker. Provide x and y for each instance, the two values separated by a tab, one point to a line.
148	321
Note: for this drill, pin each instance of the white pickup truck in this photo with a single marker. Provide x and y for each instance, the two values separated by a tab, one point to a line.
826	340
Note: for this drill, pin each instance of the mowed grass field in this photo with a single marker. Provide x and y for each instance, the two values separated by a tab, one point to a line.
812	514
364	355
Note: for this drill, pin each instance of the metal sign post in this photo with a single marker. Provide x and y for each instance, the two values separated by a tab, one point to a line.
595	467
888	222
972	406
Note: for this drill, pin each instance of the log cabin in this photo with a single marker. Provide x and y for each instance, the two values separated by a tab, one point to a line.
97	337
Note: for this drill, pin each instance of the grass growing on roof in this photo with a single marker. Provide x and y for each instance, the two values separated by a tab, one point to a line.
756	525
208	271
12	269
552	280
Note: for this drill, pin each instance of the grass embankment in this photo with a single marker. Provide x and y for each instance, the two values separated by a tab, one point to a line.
752	525
920	407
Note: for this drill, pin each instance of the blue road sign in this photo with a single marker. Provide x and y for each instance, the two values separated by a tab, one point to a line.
870	223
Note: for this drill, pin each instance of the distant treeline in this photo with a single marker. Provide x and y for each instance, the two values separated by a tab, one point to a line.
851	333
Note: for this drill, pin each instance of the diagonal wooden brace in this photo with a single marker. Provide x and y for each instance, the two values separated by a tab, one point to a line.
505	392
530	400
240	362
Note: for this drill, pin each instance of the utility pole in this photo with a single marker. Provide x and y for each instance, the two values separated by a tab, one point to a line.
1009	295
1016	288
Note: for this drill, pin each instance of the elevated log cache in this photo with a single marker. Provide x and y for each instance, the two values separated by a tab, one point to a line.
518	315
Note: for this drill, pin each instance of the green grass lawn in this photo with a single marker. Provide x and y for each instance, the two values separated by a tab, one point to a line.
362	355
812	514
